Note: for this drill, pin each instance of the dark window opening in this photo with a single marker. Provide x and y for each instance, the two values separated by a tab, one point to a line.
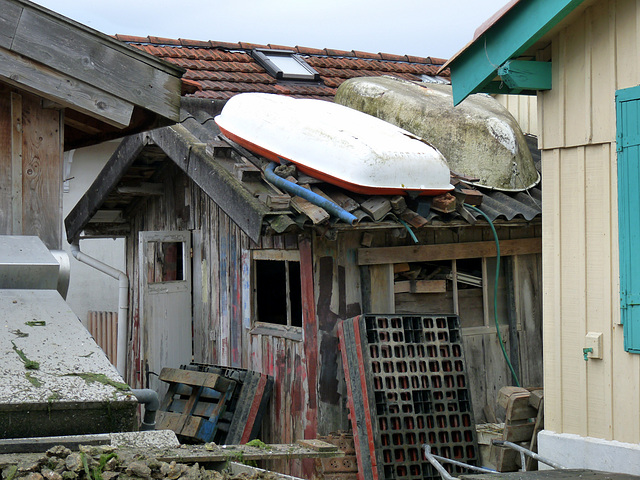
278	292
165	262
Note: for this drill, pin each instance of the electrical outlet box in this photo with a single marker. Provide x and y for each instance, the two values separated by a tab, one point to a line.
593	340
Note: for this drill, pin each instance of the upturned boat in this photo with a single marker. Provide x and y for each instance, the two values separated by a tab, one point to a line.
335	144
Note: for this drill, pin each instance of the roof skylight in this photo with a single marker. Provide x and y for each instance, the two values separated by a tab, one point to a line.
285	65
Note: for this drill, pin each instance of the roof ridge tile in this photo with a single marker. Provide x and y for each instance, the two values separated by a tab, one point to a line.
251	46
132	38
372	56
339	53
163	41
393	58
194	43
281	47
309	51
225	45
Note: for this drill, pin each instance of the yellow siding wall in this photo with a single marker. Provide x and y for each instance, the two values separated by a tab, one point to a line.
593	57
524	109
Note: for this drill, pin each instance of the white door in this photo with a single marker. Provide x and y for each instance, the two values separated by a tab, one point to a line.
166	324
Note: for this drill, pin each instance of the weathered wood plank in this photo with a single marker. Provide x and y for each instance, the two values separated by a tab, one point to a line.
280	255
215	453
224	290
310	346
235	294
99	60
7	182
382	300
447	251
9	17
64	89
15	145
42	172
420	286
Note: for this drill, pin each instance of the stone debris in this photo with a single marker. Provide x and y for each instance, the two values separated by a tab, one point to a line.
107	463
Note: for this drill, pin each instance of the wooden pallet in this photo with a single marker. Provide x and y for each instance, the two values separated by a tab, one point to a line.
194	403
242	419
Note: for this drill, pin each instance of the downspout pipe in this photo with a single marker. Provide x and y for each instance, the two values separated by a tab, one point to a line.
123	301
151	403
307	194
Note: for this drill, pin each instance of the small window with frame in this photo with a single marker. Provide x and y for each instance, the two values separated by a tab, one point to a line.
285	65
277	292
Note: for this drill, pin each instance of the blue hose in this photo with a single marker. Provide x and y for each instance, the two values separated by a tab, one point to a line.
307	194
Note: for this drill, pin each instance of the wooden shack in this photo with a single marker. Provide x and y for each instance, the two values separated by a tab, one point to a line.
64	85
227	269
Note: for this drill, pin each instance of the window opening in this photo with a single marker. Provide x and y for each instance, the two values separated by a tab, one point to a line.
285	65
165	262
278	292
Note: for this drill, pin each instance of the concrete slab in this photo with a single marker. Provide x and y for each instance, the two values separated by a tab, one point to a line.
569	474
74	390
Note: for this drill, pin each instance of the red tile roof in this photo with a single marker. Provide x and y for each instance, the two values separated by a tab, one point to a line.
219	70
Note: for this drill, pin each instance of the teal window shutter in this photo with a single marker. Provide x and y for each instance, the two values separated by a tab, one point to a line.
628	149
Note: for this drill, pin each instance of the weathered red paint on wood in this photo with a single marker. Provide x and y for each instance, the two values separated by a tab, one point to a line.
367	407
255	406
310	327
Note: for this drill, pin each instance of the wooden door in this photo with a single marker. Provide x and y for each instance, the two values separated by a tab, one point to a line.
165	266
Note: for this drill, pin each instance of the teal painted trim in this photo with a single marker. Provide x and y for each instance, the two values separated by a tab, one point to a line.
516	31
526	75
628	147
501	88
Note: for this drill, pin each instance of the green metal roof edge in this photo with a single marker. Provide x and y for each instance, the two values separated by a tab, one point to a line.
509	37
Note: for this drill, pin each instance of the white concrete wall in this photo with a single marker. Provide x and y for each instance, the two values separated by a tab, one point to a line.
574	451
88	288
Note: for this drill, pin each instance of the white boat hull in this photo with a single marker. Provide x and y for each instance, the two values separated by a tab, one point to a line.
336	144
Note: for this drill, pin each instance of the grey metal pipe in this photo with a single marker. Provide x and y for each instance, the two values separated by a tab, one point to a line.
441	470
123	301
151	403
524	451
329	206
437	459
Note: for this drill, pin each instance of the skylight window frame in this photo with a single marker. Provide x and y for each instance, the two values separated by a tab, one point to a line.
262	57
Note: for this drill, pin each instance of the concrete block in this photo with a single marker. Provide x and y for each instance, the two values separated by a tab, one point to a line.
74	390
574	451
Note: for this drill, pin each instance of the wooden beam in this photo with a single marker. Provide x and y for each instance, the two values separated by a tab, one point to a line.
107	216
99	60
143	190
524	75
63	89
278	255
447	251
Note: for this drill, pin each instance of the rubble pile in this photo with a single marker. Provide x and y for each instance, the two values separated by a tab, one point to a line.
107	463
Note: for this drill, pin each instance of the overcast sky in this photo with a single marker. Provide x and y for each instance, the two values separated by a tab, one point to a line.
424	28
